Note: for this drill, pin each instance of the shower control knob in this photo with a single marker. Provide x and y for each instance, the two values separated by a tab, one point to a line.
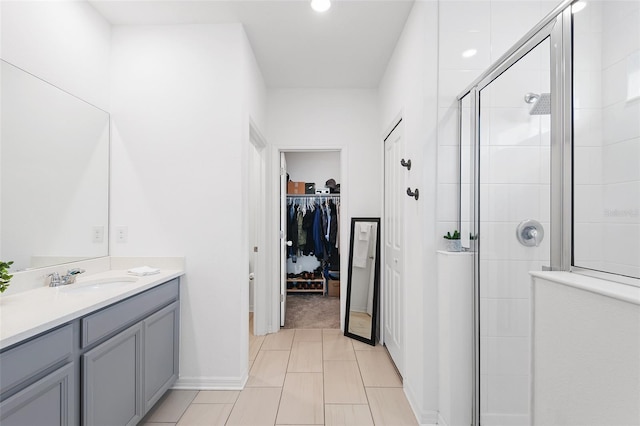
530	233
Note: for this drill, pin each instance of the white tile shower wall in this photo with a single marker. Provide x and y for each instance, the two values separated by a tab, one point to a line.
607	137
588	136
490	28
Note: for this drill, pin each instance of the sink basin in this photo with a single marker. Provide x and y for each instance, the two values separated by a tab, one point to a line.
98	284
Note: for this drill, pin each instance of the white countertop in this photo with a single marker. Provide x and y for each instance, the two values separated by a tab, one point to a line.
26	314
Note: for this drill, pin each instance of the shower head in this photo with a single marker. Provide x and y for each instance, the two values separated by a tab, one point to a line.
541	103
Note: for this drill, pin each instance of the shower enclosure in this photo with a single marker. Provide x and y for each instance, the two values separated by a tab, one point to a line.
538	178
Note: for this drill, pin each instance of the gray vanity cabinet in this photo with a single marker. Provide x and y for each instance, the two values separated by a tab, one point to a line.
106	368
124	375
160	332
112	380
38	380
47	402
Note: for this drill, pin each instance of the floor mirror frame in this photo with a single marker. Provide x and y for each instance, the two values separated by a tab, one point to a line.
376	282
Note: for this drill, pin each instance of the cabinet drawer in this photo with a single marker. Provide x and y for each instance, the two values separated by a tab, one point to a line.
103	323
35	356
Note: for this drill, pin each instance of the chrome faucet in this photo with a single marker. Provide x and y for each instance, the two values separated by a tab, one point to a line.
70	278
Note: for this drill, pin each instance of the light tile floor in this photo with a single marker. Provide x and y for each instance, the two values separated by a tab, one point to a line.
310	377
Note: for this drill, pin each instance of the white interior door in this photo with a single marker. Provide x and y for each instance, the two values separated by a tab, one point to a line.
394	197
283	238
255	207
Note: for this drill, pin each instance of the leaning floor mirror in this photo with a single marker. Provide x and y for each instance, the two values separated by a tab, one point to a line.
364	278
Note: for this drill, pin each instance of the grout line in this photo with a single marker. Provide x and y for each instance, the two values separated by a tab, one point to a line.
187	407
284	380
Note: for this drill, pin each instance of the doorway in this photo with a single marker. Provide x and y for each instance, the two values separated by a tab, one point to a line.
310	203
393	264
256	233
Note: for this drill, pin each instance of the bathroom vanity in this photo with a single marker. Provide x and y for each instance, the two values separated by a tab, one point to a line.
101	352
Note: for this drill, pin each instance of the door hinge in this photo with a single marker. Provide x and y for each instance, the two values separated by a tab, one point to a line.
281	171
282	235
281	298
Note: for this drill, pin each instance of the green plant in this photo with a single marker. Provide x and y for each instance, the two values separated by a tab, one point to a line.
455	236
4	275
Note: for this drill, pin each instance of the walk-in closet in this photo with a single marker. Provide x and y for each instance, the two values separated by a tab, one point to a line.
312	219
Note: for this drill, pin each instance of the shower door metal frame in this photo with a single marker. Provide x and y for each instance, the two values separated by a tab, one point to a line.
556	27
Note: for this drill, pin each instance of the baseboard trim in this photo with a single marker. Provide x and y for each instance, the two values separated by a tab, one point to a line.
441	421
211	383
424	417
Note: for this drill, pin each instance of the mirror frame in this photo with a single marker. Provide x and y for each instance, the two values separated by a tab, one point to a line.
376	283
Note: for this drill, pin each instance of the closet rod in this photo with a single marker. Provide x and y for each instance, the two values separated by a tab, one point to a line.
313	195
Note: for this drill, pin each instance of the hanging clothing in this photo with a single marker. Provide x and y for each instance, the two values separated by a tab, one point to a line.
333	220
313	228
307	225
292	232
338	230
302	233
318	238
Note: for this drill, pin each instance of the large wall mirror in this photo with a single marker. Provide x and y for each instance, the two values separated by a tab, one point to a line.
364	278
54	174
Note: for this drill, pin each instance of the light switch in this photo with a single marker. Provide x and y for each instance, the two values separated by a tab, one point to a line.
122	234
98	234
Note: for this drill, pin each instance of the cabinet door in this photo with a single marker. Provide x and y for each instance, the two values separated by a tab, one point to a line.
112	380
161	335
47	402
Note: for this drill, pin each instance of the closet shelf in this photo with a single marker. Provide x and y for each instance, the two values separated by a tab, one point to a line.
303	280
297	281
309	290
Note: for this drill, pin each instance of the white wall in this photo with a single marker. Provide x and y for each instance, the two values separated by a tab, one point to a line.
180	142
323	119
586	351
254	168
409	88
66	43
455	343
313	167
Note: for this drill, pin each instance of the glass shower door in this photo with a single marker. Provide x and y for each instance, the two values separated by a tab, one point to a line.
514	194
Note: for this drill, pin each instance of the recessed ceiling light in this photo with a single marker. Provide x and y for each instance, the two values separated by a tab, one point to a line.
320	5
578	6
469	53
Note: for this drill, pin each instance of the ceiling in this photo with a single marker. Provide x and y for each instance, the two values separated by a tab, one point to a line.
348	46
